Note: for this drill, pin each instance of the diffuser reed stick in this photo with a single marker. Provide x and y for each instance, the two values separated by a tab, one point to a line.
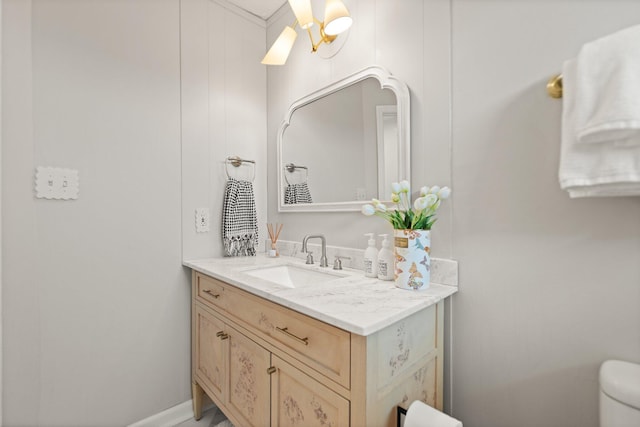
274	232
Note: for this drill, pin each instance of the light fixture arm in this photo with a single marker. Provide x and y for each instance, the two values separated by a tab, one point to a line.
324	38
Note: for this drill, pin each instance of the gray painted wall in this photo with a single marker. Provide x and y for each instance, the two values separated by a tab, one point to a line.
549	287
96	303
0	212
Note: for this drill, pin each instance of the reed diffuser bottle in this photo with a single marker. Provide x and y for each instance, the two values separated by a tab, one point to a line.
274	232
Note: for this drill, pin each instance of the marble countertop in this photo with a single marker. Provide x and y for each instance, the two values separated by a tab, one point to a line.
353	302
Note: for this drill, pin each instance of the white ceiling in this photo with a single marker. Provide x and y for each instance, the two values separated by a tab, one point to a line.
262	8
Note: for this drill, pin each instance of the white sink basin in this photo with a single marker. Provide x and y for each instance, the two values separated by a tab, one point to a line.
292	276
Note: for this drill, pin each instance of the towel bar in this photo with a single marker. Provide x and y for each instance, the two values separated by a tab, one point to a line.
554	86
290	167
237	161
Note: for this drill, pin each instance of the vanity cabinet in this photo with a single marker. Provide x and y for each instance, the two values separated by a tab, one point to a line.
264	364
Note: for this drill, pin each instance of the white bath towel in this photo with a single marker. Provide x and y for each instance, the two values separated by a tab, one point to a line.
608	89
593	169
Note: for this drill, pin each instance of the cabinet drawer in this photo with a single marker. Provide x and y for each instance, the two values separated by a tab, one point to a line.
210	291
322	347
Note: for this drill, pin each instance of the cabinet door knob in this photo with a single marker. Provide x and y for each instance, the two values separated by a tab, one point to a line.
222	335
285	331
210	292
271	370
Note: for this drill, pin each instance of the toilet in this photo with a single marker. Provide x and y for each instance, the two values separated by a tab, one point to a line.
619	394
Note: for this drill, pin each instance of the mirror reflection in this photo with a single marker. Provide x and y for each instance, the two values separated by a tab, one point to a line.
344	145
330	150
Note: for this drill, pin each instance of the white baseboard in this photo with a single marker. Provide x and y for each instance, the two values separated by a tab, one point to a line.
168	418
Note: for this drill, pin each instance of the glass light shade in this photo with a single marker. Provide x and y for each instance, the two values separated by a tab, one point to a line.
281	48
336	17
303	12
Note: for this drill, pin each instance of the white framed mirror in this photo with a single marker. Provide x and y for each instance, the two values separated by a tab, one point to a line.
344	144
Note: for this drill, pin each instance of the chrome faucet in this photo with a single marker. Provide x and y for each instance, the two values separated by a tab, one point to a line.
323	259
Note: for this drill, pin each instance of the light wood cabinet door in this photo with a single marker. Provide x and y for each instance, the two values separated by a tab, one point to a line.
210	352
249	380
299	400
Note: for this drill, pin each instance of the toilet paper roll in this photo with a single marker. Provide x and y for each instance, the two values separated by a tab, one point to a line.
420	414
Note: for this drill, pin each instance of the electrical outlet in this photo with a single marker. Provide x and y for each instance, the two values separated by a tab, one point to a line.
202	220
361	194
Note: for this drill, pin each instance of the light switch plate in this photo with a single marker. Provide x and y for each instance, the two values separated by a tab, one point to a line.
57	183
202	220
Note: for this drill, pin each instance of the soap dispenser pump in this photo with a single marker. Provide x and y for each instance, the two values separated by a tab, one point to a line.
386	267
371	257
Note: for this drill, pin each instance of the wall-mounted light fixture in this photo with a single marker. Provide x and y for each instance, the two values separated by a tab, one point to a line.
336	21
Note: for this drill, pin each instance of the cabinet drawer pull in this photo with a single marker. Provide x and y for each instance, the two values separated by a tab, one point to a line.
271	370
210	292
285	331
222	335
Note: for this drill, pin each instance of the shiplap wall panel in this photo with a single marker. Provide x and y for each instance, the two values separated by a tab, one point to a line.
224	114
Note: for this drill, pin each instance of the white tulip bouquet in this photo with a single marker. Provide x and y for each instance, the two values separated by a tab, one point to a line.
420	216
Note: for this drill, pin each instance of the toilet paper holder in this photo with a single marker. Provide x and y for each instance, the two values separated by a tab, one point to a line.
421	414
401	411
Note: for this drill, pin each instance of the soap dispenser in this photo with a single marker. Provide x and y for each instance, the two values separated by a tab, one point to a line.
386	268
371	258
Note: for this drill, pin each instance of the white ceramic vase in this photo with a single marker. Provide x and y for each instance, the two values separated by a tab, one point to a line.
413	260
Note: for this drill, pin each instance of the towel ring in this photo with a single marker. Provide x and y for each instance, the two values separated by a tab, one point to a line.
291	168
236	161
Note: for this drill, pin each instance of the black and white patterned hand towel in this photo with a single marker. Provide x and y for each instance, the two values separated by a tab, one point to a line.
239	221
297	193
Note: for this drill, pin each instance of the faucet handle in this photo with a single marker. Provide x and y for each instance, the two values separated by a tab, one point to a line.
309	257
337	263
